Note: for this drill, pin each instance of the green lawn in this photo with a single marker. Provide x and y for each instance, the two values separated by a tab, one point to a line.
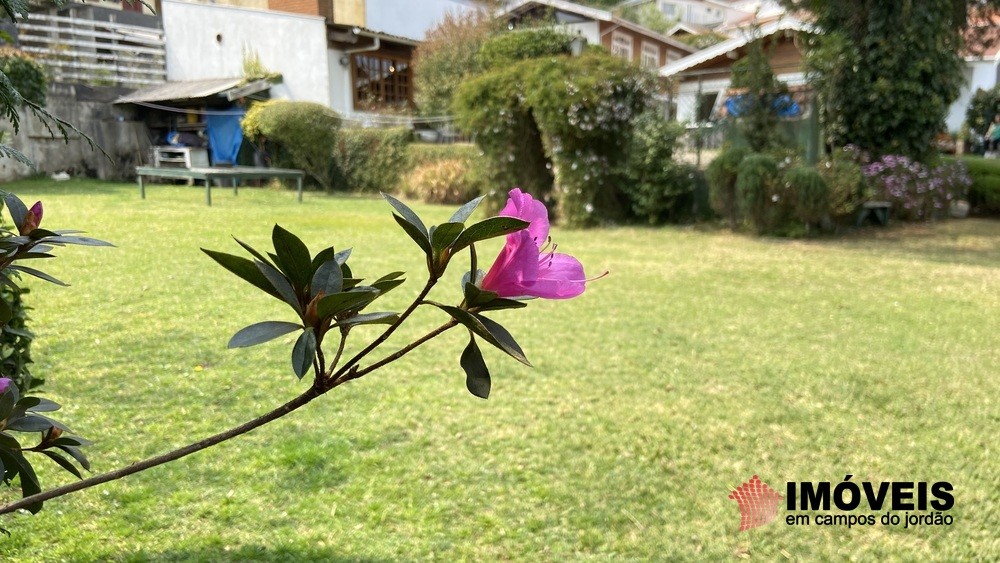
704	358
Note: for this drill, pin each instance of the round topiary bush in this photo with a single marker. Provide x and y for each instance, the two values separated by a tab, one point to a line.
812	196
307	131
721	176
760	192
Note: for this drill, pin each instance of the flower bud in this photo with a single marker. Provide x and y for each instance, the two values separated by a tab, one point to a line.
5	383
33	219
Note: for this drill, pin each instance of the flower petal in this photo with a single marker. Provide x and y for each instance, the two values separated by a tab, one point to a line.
560	276
522	206
515	267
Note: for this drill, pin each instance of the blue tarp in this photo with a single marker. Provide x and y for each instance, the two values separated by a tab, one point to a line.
784	106
224	136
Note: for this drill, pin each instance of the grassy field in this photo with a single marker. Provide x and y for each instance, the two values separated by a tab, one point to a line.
704	358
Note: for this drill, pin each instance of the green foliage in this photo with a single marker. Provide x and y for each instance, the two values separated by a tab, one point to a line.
307	131
762	196
509	48
760	100
983	106
721	175
885	72
846	185
984	194
428	153
447	56
657	187
812	196
649	16
25	74
559	126
15	341
371	160
253	67
449	181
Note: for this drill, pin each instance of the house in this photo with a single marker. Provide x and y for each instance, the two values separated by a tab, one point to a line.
703	78
702	13
600	27
981	68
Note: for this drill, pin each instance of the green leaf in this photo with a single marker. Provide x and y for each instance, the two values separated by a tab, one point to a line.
76	453
407	215
18	211
63	462
342	256
483	300
464	212
41	233
490	330
477	375
279	282
444	235
30	423
293	256
388	282
79	241
245	269
43	405
7	401
38	274
253	251
329	279
14	460
6	313
385	318
487	229
70	441
304	352
415	234
341	302
261	332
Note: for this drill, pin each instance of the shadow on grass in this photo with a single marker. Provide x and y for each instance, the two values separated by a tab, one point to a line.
255	553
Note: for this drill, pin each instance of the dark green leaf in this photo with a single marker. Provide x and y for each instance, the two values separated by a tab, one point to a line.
328	278
487	229
483	300
385	318
34	255
388	282
253	251
323	257
445	235
341	302
415	234
6	313
245	269
30	423
9	442
304	352
14	460
343	255
18	211
407	215
491	331
477	375
293	256
280	283
81	241
41	233
43	405
7	401
70	441
261	332
464	212
63	462
38	274
77	455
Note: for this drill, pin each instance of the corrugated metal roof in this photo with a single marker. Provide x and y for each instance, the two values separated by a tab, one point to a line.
187	90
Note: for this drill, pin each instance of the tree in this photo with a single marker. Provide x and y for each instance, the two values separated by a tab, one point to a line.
763	96
885	72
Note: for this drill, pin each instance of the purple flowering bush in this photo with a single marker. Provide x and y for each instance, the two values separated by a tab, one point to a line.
916	191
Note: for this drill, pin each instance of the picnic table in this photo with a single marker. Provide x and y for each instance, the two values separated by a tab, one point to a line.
233	175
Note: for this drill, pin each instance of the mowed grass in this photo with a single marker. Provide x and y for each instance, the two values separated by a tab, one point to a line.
704	358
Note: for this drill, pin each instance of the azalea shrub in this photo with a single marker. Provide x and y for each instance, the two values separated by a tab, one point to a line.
984	193
328	305
916	191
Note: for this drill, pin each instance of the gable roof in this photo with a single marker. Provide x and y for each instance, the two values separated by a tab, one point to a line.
741	40
518	7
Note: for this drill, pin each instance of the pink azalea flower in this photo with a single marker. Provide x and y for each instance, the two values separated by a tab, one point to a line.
32	219
525	266
5	383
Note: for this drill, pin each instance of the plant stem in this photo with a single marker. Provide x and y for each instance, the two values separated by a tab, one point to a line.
275	414
398	354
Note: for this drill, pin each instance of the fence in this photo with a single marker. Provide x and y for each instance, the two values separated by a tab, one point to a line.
99	53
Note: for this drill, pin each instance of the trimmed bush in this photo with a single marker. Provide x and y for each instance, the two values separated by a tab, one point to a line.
371	160
305	131
426	153
812	196
845	184
721	176
984	193
760	191
449	181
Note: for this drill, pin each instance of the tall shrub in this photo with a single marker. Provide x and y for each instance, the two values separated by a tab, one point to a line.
657	185
761	194
721	176
371	160
306	130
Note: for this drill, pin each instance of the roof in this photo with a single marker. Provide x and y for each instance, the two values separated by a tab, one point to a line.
741	40
982	38
692	28
188	90
522	6
374	33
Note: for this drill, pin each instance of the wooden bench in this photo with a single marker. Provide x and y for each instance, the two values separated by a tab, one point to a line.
234	175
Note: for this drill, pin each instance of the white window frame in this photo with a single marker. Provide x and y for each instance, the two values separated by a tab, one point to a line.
623	49
649	56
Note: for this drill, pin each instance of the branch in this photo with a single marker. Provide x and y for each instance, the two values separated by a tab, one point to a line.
275	414
397	355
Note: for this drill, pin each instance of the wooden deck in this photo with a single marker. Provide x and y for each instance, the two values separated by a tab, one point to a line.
233	176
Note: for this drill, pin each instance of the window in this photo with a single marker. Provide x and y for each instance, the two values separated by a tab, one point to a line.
381	81
621	45
650	55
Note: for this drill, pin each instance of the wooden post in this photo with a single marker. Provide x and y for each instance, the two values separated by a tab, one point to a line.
142	188
208	190
298	181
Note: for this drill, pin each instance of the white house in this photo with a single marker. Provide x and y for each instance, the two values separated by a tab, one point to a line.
981	71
